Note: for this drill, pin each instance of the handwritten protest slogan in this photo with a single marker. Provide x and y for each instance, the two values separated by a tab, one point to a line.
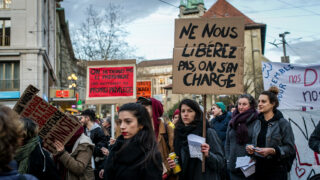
111	81
144	89
299	85
208	56
53	124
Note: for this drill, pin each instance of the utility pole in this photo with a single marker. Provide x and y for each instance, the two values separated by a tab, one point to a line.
285	58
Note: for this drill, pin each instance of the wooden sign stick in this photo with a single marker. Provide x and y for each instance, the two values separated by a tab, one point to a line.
204	130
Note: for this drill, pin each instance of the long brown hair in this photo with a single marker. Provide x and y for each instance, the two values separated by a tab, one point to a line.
11	132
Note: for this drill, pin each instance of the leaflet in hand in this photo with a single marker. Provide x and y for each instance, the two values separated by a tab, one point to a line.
246	164
194	142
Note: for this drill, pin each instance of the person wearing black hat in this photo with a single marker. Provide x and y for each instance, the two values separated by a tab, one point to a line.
96	134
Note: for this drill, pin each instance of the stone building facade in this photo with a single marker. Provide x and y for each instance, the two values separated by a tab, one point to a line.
27	48
159	72
67	64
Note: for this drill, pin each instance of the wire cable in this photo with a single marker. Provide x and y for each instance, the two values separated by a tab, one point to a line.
315	13
168	3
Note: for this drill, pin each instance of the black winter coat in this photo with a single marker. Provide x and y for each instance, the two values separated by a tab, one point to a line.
214	163
220	125
41	165
124	166
99	140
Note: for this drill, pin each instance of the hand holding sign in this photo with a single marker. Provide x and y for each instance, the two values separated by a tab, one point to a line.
53	124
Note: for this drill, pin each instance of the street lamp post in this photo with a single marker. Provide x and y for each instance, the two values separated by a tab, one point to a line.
73	78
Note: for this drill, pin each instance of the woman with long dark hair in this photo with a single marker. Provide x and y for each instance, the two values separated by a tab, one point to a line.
135	154
273	139
239	133
190	122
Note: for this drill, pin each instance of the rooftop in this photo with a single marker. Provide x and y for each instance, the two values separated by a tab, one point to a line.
160	62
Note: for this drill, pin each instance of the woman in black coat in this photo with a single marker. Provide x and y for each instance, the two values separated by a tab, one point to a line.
273	139
31	157
135	154
190	122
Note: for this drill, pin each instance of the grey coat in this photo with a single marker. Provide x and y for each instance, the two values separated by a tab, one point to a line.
234	150
214	164
279	136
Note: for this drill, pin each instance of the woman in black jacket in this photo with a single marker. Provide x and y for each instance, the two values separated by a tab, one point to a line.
273	138
31	157
190	122
135	153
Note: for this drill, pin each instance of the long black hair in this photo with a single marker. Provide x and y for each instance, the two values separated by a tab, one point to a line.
145	137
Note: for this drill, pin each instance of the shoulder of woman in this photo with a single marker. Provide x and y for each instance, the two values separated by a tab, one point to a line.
284	122
84	143
84	139
211	133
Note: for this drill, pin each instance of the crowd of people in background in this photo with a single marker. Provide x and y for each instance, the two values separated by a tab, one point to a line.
144	140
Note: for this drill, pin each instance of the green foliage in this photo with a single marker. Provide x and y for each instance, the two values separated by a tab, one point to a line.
170	112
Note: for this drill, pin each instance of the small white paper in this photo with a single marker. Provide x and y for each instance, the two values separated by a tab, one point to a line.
194	142
249	171
242	161
246	165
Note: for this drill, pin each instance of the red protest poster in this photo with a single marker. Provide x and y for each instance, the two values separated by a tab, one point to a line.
144	89
111	81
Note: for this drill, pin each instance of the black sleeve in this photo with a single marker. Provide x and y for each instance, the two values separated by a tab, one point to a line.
314	140
153	171
99	140
42	166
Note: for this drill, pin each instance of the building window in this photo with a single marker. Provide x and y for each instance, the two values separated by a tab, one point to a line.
5	26
162	81
9	76
5	4
162	91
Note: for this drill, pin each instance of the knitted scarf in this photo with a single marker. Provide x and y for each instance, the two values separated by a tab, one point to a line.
23	154
239	124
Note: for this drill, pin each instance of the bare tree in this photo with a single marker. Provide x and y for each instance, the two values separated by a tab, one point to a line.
101	36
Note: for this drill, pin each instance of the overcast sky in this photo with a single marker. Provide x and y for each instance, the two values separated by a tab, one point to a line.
151	24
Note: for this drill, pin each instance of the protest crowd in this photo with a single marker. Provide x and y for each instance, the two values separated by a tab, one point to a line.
254	141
